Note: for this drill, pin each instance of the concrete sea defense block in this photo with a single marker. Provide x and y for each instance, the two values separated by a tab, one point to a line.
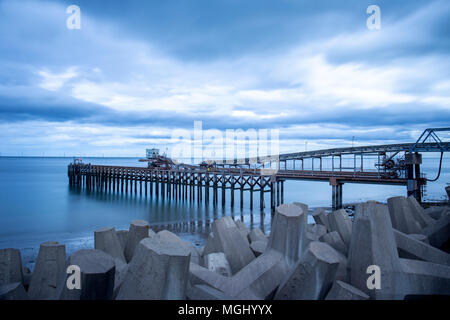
205	292
334	239
438	232
122	236
437	212
218	262
257	234
419	250
343	291
50	264
402	217
418	212
242	228
13	291
258	280
259	247
373	243
288	233
10	266
312	276
97	276
229	240
167	236
159	271
210	246
138	231
340	221
320	217
106	239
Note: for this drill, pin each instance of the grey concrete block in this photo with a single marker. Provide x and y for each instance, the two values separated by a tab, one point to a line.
318	230
159	271
259	247
437	212
402	217
421	278
200	250
229	240
320	217
119	276
257	234
438	232
373	243
419	250
218	262
288	233
97	276
167	236
211	245
10	266
13	291
334	239
106	239
418	212
242	229
340	222
343	291
122	235
312	276
50	264
138	231
205	292
258	280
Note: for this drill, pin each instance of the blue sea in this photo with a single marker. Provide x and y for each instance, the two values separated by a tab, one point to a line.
37	204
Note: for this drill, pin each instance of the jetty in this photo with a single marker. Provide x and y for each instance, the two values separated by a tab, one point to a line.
397	164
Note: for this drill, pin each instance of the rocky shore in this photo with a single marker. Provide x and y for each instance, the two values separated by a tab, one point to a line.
396	250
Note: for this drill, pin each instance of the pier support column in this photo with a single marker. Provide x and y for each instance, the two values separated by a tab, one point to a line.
413	162
336	194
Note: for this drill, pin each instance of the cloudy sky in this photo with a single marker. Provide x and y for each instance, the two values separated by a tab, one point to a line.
138	70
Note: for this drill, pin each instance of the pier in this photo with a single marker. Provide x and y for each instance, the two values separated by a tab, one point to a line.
397	164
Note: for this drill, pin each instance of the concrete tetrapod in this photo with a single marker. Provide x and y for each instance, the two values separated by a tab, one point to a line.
122	236
13	291
374	244
229	240
97	276
438	232
218	262
334	239
138	231
312	276
320	217
256	234
159	271
343	291
419	250
340	222
288	233
50	264
10	266
401	216
106	239
258	280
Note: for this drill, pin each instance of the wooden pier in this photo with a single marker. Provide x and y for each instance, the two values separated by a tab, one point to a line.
189	185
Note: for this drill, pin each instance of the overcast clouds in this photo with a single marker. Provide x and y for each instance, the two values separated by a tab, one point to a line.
138	69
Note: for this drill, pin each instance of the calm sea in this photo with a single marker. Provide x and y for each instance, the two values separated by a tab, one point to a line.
38	205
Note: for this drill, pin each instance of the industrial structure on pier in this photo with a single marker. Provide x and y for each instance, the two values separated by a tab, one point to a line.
396	164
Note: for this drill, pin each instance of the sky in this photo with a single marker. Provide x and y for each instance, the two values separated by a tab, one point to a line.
138	71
